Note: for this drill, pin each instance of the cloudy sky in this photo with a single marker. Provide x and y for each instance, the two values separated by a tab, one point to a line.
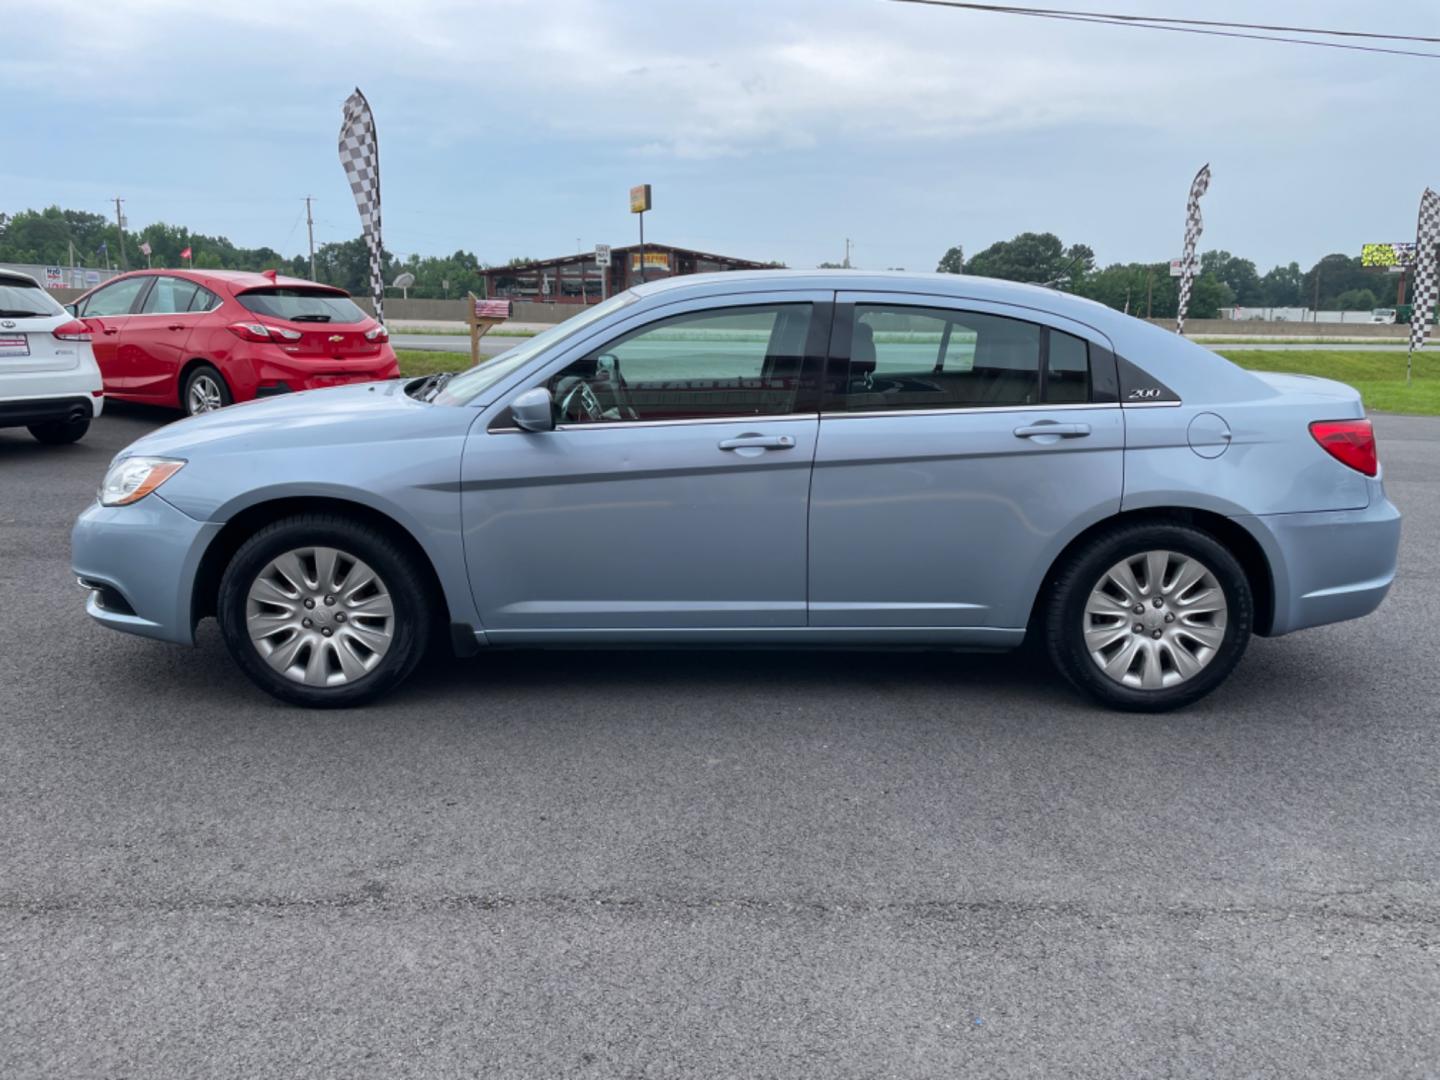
770	129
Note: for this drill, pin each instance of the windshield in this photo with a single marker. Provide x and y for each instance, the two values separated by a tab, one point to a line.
25	299
465	386
302	305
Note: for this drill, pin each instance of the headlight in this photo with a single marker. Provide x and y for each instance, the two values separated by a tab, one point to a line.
135	477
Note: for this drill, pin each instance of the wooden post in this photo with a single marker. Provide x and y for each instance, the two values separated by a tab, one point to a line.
482	316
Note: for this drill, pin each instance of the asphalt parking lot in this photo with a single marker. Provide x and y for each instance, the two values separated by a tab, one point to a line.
711	864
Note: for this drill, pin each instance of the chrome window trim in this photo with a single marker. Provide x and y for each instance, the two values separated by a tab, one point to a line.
606	425
866	413
1151	404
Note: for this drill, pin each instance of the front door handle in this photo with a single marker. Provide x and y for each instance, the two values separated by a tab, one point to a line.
1064	431
758	442
176	326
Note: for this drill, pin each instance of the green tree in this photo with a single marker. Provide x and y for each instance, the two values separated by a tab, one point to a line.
1238	274
1281	287
1036	257
952	262
1356	300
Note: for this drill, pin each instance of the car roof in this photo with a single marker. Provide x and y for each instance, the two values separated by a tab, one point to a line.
16	275
238	281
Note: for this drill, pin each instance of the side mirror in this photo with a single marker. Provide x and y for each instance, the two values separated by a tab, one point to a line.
534	410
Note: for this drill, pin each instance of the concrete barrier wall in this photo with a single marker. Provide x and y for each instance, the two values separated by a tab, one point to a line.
455	310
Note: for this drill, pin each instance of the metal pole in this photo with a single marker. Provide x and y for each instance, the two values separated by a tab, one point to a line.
120	227
1315	310
642	247
310	227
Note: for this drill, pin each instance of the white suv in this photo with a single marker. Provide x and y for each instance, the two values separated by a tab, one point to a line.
49	381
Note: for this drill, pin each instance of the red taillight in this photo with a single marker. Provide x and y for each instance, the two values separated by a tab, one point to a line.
74	330
256	331
1350	442
379	333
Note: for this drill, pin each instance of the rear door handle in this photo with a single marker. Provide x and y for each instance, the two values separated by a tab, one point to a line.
110	330
758	442
175	326
1065	431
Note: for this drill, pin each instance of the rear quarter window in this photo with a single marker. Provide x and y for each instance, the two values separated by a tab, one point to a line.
302	305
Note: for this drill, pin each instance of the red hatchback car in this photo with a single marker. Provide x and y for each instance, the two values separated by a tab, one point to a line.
201	339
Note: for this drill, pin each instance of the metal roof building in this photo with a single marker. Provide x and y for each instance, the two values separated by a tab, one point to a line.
578	279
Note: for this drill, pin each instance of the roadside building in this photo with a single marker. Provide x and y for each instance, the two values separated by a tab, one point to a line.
578	279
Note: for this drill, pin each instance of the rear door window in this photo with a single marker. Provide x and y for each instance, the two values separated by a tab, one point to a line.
302	305
170	295
934	358
904	357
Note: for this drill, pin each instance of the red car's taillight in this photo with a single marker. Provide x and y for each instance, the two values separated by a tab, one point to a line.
256	331
1350	442
379	333
74	330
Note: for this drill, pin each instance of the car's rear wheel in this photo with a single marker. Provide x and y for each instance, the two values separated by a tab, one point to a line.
59	432
205	390
322	611
1149	617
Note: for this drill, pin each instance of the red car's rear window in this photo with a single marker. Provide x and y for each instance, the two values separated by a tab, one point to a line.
302	305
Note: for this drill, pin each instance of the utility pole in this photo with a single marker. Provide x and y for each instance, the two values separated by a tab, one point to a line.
120	225
1315	309
1149	293
310	227
846	263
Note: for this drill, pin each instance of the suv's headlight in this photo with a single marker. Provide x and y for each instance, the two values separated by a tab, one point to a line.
135	477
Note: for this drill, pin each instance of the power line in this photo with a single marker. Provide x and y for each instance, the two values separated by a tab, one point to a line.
1192	26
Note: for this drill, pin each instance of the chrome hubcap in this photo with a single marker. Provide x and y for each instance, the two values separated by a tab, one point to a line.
320	617
1155	620
204	395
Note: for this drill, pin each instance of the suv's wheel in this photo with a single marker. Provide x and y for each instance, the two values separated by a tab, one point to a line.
205	390
1149	617
58	432
322	611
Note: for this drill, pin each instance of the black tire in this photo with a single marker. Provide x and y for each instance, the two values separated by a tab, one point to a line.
59	432
214	379
403	580
1065	617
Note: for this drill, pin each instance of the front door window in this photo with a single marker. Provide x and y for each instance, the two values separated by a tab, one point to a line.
737	362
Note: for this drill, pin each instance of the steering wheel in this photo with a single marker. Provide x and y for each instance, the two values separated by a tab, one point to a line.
578	402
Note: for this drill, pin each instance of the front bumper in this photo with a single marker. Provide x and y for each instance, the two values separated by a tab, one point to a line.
1331	566
146	556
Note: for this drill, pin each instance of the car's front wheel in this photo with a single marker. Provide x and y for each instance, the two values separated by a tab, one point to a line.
322	611
1149	617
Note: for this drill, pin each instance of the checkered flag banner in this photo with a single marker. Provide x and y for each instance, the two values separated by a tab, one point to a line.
360	155
1193	227
1427	236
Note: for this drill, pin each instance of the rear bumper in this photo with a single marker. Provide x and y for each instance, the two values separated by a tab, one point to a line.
1332	566
269	371
19	412
139	563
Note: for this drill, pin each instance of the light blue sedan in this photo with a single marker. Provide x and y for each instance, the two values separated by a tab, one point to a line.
771	458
